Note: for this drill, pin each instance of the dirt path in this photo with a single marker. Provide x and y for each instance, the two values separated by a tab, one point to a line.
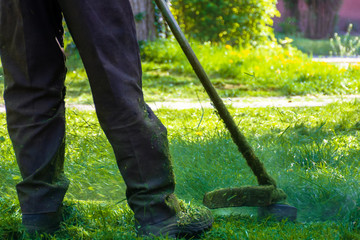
257	102
253	102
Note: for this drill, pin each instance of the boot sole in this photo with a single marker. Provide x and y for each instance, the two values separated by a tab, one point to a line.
196	229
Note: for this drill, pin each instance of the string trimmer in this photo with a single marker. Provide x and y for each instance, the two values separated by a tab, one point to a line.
266	196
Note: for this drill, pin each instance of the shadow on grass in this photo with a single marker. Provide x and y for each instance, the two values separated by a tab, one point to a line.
319	192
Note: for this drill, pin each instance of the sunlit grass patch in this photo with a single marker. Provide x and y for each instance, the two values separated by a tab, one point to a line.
235	72
263	71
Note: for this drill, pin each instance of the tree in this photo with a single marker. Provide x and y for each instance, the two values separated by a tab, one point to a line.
292	6
321	18
144	18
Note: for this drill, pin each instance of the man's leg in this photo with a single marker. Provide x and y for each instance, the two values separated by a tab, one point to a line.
33	62
104	33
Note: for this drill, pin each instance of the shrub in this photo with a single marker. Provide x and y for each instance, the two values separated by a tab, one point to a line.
233	22
346	46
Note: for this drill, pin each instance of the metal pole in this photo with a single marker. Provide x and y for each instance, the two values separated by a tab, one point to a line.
239	139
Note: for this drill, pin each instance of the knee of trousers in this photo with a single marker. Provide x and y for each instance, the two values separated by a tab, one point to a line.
33	106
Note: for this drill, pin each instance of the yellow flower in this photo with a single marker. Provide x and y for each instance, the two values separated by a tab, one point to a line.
246	52
231	61
227	46
356	66
342	70
199	133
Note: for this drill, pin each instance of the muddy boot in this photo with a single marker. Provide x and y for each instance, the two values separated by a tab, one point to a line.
47	223
189	222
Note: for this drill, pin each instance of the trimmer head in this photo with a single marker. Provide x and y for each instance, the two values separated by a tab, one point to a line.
251	196
278	212
267	198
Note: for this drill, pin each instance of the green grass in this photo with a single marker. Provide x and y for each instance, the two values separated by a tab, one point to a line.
265	71
311	47
235	72
313	153
314	47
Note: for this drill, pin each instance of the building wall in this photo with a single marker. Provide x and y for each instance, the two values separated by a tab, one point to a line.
349	13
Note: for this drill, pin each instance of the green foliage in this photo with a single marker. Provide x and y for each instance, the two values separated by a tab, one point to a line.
345	46
234	22
140	16
289	26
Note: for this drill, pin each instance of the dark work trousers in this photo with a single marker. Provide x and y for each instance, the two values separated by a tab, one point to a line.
34	66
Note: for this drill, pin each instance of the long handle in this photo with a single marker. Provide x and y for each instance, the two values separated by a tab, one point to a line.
254	163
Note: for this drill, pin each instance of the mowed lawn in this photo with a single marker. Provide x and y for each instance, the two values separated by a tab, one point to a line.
312	152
